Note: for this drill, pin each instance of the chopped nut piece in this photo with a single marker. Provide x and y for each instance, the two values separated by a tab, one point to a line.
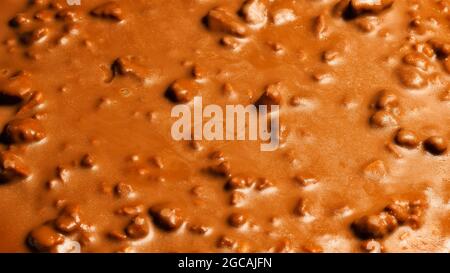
109	10
222	20
167	218
12	167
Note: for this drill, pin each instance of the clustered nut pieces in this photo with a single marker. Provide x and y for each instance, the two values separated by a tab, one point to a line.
17	89
377	226
254	31
61	233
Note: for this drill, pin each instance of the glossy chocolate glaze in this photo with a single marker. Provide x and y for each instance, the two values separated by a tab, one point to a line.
87	157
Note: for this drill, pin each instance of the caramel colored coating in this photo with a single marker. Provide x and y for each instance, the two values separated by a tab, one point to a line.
88	162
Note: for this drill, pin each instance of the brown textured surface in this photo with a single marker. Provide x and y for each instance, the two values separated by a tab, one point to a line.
87	91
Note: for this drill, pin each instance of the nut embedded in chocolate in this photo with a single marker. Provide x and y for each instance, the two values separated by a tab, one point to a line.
128	66
254	12
166	217
386	100
305	179
350	9
436	145
87	161
382	119
221	169
375	6
221	20
29	38
416	59
25	130
375	171
441	48
407	138
99	81
412	77
66	223
239	182
300	208
19	21
69	220
44	238
271	96
109	10
182	91
138	228
15	88
237	219
12	167
374	226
